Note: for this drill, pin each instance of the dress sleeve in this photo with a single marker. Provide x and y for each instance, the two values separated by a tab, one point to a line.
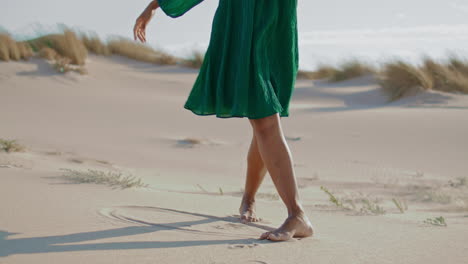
176	8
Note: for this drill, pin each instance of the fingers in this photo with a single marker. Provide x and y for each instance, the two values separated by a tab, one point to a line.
140	35
143	34
139	31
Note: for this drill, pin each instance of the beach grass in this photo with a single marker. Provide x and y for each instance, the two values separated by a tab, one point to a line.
436	221
399	78
138	51
13	50
357	203
195	60
113	179
348	70
66	44
94	44
447	77
400	204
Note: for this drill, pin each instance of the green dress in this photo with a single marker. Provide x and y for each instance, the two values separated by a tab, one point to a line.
251	62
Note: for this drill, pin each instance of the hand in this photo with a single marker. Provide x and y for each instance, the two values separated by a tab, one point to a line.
139	30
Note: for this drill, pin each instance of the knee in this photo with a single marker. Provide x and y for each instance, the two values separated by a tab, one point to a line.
264	126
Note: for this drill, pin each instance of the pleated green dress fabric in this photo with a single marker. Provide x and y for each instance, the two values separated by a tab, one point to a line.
251	62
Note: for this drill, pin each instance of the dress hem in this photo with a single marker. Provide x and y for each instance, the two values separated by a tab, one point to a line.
234	115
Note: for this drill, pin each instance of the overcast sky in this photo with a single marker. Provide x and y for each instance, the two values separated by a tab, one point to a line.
317	20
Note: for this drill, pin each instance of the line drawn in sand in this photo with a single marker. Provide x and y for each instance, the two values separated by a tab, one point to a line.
207	224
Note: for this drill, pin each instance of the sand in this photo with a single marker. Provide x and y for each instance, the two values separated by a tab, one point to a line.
127	116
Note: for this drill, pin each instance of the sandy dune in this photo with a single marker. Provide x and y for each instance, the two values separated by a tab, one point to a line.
128	116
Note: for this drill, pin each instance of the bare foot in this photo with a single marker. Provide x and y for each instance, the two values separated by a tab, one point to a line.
294	226
247	211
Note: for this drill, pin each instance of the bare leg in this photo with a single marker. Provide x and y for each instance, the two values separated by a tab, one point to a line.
256	171
276	155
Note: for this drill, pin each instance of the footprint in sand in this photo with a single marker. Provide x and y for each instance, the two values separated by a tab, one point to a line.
229	226
245	246
8	161
74	158
191	142
92	161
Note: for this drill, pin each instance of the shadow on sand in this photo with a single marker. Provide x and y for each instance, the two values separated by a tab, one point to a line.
54	243
362	93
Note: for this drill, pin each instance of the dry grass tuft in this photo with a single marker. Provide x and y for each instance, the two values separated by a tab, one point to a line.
64	65
400	78
458	64
434	196
436	221
348	70
67	45
325	72
59	63
137	51
48	53
12	50
195	60
10	146
447	77
94	44
114	179
368	206
25	50
301	74
400	204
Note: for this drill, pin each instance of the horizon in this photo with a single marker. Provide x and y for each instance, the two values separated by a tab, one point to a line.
361	29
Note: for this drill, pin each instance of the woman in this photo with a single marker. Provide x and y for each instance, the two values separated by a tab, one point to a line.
249	70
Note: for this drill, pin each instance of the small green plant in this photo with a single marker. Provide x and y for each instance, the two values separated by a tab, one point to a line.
332	197
10	146
435	196
436	221
371	207
63	65
201	188
459	182
221	191
400	204
367	206
114	179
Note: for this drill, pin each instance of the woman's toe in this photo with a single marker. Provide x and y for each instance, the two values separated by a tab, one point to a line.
265	235
280	236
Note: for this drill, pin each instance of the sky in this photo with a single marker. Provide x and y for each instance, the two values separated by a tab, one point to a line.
329	31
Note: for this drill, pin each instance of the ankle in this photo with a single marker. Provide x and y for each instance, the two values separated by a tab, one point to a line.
296	211
249	199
